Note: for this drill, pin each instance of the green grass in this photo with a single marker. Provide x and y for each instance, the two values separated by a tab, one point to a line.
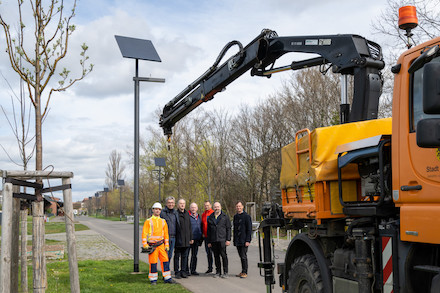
54	227
103	276
57	227
106	218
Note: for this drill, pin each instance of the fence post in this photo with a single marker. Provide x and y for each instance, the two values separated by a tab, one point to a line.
15	246
38	251
24	275
5	262
71	241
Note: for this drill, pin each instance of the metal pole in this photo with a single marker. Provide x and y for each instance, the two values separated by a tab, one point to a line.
159	183
136	170
120	203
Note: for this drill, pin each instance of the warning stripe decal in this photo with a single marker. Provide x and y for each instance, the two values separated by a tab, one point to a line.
387	264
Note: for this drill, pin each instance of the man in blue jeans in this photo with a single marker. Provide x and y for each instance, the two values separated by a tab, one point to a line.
171	217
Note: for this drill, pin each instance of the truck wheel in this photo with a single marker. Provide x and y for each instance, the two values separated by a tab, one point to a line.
305	276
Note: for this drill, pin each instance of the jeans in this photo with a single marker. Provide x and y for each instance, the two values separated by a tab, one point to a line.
194	250
242	252
209	255
181	254
172	242
219	249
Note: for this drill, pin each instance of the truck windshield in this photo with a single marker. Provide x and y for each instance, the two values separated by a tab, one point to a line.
416	106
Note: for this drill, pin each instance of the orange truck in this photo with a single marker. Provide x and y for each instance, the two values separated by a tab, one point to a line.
363	196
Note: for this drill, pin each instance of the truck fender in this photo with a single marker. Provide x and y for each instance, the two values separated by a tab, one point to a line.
300	245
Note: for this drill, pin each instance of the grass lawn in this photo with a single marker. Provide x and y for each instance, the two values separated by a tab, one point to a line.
116	219
57	227
54	227
103	276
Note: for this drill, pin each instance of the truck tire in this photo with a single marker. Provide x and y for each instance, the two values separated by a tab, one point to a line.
305	276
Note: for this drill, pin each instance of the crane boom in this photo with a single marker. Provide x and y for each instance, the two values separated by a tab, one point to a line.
347	54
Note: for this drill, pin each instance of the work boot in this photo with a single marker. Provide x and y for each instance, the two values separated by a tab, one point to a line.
195	273
153	283
170	281
184	275
178	275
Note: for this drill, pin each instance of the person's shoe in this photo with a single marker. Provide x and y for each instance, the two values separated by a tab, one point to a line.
170	281
153	283
217	276
239	275
224	276
208	271
195	273
178	276
184	275
243	275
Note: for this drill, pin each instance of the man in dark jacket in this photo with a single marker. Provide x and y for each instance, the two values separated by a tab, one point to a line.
196	225
219	236
242	236
171	217
184	239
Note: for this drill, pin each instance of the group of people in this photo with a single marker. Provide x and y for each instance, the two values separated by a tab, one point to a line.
182	232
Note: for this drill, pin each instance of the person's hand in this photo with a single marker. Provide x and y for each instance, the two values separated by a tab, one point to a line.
191	241
228	242
209	245
247	244
167	248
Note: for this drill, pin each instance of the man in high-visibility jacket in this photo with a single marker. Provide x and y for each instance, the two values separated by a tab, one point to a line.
155	235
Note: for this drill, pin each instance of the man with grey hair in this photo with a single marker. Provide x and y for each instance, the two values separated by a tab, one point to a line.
184	239
196	226
219	236
171	217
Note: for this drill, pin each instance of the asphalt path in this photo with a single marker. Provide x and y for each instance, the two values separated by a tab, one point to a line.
121	233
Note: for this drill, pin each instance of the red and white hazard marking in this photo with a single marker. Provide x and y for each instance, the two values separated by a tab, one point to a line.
387	264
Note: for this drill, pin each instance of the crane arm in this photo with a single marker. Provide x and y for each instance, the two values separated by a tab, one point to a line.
347	54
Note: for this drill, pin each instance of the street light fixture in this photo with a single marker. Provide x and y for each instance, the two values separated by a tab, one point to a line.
144	50
120	184
159	162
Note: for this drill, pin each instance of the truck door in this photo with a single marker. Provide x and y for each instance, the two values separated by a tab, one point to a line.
417	192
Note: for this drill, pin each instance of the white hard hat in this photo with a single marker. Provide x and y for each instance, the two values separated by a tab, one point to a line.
157	205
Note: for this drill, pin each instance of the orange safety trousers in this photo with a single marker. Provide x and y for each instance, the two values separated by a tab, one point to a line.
161	254
156	229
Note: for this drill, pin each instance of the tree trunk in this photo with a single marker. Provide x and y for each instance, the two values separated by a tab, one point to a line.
38	257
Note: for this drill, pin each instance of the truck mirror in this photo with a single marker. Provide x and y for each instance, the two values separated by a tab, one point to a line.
431	88
428	133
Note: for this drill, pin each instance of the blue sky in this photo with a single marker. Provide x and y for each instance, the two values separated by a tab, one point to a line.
96	116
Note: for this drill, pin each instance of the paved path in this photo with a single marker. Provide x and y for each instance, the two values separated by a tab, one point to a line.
121	234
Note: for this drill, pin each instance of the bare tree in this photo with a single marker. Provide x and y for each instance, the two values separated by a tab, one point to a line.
115	170
51	33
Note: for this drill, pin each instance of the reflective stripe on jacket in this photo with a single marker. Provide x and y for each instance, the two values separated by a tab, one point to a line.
155	229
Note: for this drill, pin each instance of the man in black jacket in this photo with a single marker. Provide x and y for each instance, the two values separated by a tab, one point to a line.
219	236
184	239
242	236
171	217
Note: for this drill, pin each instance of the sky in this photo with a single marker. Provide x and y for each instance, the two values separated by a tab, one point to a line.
96	115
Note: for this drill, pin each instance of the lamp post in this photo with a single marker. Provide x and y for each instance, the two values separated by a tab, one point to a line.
96	203
144	50
120	184
159	162
106	206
